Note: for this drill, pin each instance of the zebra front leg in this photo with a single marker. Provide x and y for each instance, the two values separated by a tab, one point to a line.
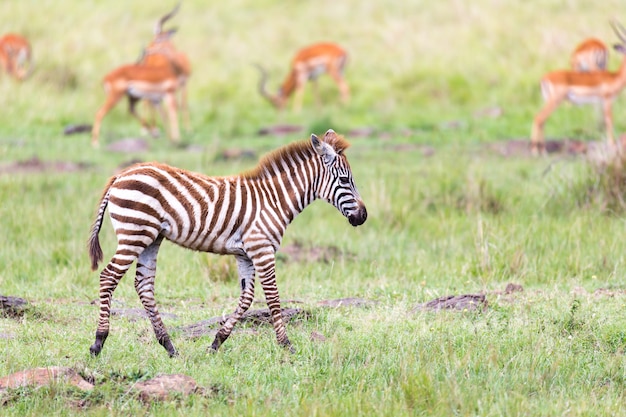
266	267
109	278
246	276
144	285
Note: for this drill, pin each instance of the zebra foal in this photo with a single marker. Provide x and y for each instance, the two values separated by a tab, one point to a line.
242	215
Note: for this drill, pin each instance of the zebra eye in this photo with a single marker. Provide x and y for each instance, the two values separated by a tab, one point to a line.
344	180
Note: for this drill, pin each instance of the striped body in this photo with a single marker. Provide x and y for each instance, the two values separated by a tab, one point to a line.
244	215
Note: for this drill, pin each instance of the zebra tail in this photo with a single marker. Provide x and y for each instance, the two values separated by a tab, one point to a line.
95	250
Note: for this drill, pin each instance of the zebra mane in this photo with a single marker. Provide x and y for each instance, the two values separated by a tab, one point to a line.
300	150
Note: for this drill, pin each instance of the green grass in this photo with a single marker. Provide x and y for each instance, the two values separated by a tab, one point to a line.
464	220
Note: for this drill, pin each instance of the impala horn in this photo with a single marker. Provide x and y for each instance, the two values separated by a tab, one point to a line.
158	28
262	90
619	30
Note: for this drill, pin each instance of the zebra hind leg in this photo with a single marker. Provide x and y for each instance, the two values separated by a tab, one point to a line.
109	278
144	285
246	276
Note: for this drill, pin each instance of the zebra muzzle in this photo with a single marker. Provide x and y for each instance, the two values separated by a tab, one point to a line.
358	218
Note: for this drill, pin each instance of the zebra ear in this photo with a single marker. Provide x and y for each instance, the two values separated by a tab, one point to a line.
323	149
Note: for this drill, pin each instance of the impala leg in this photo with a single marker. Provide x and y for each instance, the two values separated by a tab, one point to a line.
112	98
316	92
608	121
170	104
537	141
109	278
344	90
132	108
151	108
144	285
184	108
246	276
298	94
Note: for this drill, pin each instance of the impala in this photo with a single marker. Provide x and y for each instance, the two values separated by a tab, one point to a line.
581	88
308	64
15	56
162	51
156	77
590	55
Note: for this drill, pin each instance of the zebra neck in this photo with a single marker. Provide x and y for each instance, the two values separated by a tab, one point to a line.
288	182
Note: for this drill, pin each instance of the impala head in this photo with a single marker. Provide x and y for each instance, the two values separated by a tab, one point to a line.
277	100
337	185
620	31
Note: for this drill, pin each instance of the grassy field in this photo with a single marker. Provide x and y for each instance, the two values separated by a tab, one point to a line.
462	220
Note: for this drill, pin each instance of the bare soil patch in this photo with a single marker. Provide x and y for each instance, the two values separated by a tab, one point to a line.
521	147
254	317
299	252
236	154
39	377
129	145
74	129
279	130
167	387
35	165
464	302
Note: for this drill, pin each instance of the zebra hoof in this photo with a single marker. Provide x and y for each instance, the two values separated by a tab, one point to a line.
95	349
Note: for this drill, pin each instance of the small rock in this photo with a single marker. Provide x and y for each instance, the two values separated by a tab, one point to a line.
511	288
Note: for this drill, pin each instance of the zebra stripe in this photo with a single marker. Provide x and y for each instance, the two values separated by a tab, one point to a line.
244	215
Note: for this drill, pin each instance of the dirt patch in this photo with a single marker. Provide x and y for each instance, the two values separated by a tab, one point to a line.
12	306
464	302
299	252
39	377
255	317
74	129
36	165
279	130
129	145
521	147
599	292
166	387
236	154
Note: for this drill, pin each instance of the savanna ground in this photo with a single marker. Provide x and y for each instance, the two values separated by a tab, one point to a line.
440	84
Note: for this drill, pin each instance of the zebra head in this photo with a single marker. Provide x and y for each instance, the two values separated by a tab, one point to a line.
337	185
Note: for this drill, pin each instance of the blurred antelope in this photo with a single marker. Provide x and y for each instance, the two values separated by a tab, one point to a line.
156	77
308	64
16	56
590	55
581	88
159	52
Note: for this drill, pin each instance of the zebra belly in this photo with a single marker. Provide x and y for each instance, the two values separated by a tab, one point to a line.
207	241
